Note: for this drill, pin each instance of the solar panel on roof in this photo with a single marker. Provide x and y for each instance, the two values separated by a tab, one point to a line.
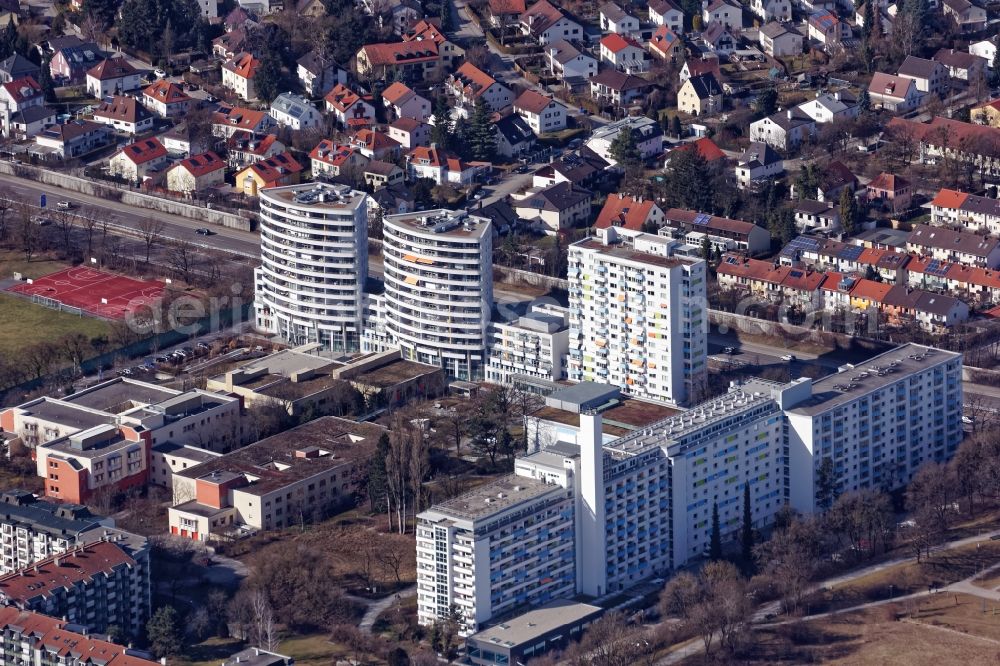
796	274
702	218
851	252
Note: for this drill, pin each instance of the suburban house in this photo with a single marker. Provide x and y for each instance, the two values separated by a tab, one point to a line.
426	32
829	107
666	13
646	132
758	163
275	171
965	15
707	149
227	120
542	113
727	12
18	67
723	233
718	38
238	74
504	13
375	145
137	160
73	139
403	102
166	99
624	54
196	173
125	114
961	65
699	96
28	122
623	213
896	94
410	133
568	62
985	49
382	174
812	215
112	77
966	142
546	23
614	19
469	83
969	211
960	247
890	193
987	114
785	130
18	96
244	148
335	159
666	44
930	76
439	165
72	58
832	180
553	208
827	29
586	169
792	287
772	10
318	74
609	86
514	136
230	44
777	40
348	107
707	64
403	14
295	112
404	61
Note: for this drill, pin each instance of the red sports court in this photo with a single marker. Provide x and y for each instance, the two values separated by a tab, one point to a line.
95	292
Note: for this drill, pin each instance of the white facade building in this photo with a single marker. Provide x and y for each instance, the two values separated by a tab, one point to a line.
503	545
638	318
439	288
534	345
314	262
878	422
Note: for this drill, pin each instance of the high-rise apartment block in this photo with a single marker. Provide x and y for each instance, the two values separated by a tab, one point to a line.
438	289
99	585
638	318
314	263
641	504
32	530
878	421
503	545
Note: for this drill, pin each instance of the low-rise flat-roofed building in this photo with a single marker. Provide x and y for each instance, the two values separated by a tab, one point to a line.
529	635
304	378
280	481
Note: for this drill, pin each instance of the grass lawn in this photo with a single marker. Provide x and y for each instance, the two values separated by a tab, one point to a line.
868	638
944	567
308	650
14	262
25	323
960	612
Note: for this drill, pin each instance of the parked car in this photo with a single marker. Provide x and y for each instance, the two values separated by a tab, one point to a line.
788	357
41	220
730	350
162	359
159	73
203	345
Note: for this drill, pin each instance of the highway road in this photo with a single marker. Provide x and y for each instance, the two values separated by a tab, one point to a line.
245	243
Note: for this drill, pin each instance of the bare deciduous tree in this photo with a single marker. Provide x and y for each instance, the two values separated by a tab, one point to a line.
151	232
